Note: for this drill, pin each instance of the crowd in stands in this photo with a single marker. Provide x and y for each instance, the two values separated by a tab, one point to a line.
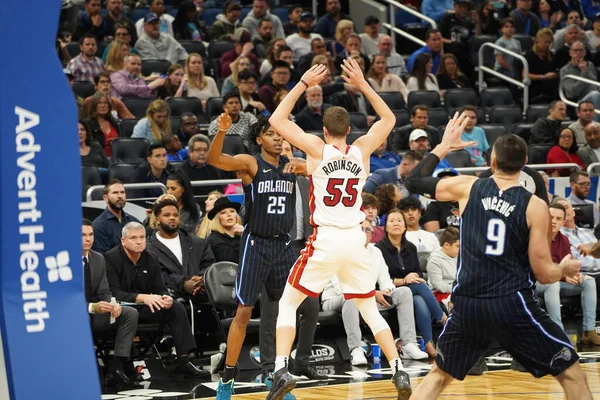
162	79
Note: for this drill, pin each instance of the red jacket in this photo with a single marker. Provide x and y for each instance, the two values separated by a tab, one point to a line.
560	247
557	155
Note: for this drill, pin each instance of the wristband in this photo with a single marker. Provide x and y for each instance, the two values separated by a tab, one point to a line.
94	308
303	81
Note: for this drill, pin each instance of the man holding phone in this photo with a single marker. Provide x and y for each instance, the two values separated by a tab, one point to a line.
388	296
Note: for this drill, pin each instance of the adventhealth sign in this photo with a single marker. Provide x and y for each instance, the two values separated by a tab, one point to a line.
46	335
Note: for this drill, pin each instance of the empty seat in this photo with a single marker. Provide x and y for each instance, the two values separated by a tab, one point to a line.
438	116
180	105
537	153
84	89
536	111
89	177
493	132
129	150
456	98
496	96
393	99
214	107
488	55
358	120
429	98
233	145
192	46
126	127
121	171
506	115
209	15
355	134
217	48
526	42
459	159
522	130
402	118
152	66
137	105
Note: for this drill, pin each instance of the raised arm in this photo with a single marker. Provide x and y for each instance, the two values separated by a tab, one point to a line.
310	144
242	162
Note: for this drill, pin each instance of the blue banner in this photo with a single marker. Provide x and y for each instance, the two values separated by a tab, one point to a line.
46	334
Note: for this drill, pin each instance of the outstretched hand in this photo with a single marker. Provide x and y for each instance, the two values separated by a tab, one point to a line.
224	121
452	138
354	74
314	75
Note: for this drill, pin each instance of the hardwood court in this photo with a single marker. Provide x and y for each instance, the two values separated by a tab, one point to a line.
497	385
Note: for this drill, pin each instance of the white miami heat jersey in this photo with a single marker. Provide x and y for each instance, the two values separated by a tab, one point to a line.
336	187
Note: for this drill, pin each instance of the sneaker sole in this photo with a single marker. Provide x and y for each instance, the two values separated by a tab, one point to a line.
404	393
280	394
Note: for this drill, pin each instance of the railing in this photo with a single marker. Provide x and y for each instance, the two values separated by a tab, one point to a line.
149	185
523	85
561	91
216	182
590	168
392	23
532	166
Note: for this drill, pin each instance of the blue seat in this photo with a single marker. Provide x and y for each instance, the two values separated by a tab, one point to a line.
282	13
209	15
139	13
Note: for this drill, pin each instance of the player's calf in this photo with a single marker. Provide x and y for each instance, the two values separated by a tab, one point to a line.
574	382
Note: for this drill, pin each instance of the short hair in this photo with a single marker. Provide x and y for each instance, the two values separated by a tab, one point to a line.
293	7
231	95
582	102
281	49
110	183
431	32
281	64
409	203
450	235
572	26
468	107
369	199
102	74
505	21
130	56
261	125
159	205
574	177
558	206
413	155
262	21
419	107
155	146
336	120
246	74
353	35
87	36
511	153
553	105
186	115
231	6
199	137
86	222
131	226
122	25
317	39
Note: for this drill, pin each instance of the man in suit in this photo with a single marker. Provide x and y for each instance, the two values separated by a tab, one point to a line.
183	258
134	276
101	310
590	152
308	310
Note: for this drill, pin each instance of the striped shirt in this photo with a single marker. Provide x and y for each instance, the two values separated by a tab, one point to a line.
84	70
577	236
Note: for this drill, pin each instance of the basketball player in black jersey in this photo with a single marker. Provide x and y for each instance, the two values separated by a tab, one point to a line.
504	248
267	254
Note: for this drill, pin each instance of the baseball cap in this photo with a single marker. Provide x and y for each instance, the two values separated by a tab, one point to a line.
439	173
371	19
306	15
242	35
150	17
416	134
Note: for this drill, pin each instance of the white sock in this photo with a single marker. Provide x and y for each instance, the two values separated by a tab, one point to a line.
396	364
280	362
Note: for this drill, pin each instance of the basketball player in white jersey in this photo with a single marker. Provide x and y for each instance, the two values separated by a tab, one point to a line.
337	175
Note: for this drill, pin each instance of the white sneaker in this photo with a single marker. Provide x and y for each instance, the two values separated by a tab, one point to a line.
413	352
357	356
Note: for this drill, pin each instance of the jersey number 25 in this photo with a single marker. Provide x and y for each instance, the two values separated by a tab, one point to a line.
340	189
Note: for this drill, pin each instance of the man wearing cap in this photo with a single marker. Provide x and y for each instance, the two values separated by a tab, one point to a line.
260	10
301	42
370	39
156	45
86	65
166	21
243	47
419	119
457	29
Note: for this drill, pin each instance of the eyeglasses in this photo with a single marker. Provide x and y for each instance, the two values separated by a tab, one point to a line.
320	46
584	184
282	73
577	50
105	82
566	137
249	82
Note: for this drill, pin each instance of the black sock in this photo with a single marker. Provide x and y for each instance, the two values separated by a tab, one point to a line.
182	361
130	369
229	373
118	363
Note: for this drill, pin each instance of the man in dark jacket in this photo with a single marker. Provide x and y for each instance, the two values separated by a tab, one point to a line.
183	258
311	117
546	130
134	277
154	170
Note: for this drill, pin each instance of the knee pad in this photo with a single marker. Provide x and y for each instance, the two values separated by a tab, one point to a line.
370	313
288	305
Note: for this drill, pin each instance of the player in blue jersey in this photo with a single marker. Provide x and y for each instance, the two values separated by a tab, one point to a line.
504	249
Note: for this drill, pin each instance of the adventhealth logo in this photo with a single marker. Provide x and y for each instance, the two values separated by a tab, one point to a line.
58	267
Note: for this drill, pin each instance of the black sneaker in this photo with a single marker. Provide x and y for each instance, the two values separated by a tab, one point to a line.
402	382
516	366
283	383
479	368
307	371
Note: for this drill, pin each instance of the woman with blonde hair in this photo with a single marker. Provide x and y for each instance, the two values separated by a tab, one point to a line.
225	230
267	64
209	203
343	28
542	72
156	125
382	81
198	84
117	50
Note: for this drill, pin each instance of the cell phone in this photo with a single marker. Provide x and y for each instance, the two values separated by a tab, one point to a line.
388	298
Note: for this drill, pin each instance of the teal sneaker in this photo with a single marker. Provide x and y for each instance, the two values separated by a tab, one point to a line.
269	385
224	390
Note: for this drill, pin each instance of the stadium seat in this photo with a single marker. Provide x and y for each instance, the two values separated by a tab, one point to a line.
73	49
456	98
526	42
355	134
423	258
191	46
493	132
137	105
176	165
126	127
245	11
214	107
150	66
537	153
214	66
209	15
438	116
139	13
180	105
430	98
459	159
282	13
481	118
393	99
217	48
536	111
358	120
506	115
402	118
522	130
488	56
342	99
174	125
89	177
121	171
129	150
83	89
497	96
234	145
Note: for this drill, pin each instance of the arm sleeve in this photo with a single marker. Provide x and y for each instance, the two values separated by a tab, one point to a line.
144	50
126	89
139	130
372	182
